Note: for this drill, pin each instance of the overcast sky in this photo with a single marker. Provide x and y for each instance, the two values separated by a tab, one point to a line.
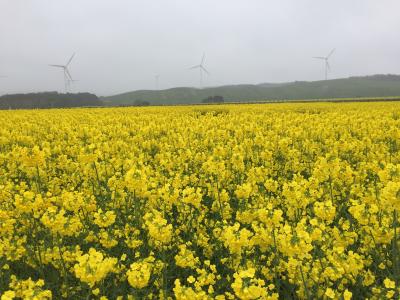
121	45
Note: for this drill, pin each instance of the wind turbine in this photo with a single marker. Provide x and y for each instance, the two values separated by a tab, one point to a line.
201	69
67	74
327	66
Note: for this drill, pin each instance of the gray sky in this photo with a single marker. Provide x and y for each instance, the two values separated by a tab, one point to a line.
121	45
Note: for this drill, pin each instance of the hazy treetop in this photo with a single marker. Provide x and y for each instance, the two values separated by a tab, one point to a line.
121	45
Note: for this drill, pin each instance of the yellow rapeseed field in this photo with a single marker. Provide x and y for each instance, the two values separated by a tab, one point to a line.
279	201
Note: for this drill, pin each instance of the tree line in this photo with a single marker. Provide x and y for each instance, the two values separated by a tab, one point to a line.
48	100
57	100
213	99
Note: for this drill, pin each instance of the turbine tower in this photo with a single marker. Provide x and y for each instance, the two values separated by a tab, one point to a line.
201	69
327	66
67	75
71	81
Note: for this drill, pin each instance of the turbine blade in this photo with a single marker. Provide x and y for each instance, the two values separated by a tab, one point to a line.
333	50
202	59
194	67
204	69
57	66
328	66
318	57
68	74
70	60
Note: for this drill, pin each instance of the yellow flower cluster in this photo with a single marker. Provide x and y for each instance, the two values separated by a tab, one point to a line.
92	267
26	289
104	220
159	231
139	273
246	286
277	201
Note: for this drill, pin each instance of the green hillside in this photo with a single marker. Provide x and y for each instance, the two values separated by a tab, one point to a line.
368	86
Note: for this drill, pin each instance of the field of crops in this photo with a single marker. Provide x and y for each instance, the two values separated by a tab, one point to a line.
279	201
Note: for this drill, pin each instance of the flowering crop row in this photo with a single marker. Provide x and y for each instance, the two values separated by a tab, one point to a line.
279	201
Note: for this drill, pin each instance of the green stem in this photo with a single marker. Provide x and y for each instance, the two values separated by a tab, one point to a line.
304	283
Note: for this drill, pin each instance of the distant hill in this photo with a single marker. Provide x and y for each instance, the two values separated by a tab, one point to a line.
366	86
48	100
